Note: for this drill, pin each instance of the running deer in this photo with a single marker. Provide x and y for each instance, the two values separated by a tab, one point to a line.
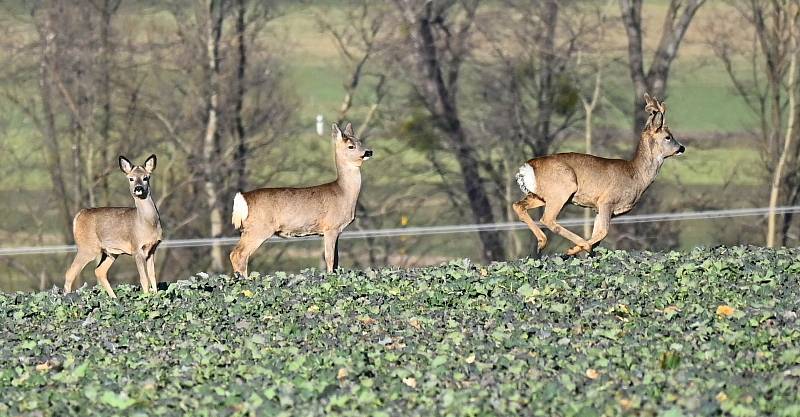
107	232
609	186
324	209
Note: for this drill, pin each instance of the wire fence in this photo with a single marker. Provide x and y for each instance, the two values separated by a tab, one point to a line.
436	230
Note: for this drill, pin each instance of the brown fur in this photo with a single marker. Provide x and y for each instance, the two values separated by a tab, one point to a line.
324	209
610	186
107	232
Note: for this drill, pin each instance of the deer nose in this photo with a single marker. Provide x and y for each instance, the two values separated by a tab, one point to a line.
138	190
681	150
368	154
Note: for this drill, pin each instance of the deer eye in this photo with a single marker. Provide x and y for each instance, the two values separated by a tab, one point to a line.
130	179
146	178
351	147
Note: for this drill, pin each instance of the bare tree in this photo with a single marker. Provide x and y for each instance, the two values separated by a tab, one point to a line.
654	80
211	140
227	105
438	34
769	88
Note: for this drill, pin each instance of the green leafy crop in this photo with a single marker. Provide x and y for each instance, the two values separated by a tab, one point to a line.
709	332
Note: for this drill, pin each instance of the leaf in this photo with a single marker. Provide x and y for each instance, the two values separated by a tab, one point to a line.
341	374
247	293
411	382
527	291
673	412
415	324
725	311
438	361
119	401
592	374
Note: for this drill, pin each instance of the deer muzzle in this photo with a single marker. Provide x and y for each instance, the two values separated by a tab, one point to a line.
367	154
140	191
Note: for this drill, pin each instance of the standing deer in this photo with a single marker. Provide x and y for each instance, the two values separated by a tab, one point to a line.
324	209
107	232
610	186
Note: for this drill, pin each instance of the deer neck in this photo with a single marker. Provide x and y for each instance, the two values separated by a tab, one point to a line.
348	177
646	164
146	211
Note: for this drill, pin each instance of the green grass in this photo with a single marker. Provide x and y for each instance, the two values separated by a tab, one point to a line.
706	332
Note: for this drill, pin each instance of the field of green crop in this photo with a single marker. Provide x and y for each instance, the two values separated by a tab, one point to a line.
706	332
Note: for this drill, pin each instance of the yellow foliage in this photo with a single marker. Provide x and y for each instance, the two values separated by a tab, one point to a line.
725	310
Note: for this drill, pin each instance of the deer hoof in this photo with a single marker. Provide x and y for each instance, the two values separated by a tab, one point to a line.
541	245
584	247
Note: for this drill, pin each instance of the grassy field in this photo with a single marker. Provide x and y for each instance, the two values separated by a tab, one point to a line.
706	332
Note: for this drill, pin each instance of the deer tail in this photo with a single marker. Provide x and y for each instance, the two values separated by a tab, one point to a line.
240	211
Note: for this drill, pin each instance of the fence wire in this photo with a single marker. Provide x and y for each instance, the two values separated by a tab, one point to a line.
435	230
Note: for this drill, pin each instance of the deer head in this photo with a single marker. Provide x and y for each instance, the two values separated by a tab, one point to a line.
656	135
138	175
349	149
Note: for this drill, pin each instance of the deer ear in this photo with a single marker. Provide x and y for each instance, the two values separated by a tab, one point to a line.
650	105
348	129
336	132
150	163
125	165
656	121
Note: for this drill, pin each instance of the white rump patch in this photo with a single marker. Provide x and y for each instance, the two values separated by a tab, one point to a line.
240	211
526	179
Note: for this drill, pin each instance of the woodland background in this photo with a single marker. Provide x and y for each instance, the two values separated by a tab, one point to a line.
452	95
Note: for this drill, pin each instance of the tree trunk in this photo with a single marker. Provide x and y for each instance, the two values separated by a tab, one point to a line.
211	145
241	149
492	243
546	89
777	175
654	81
47	38
440	99
107	11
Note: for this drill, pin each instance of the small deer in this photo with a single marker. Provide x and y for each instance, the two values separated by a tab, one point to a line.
107	232
609	186
324	209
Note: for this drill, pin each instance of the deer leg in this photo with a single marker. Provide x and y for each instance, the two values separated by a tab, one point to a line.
551	211
521	207
139	257
331	243
151	271
151	267
248	244
601	223
101	272
599	232
81	259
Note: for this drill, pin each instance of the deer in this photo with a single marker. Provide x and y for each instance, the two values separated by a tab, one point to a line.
324	209
106	232
610	187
